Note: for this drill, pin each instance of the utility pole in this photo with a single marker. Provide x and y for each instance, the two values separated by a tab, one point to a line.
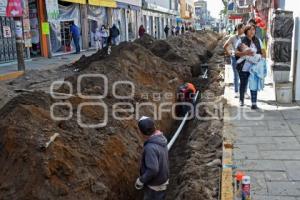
19	43
14	9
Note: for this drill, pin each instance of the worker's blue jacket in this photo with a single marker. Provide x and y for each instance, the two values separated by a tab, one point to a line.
155	164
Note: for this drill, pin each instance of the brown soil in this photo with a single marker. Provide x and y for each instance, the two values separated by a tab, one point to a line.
89	163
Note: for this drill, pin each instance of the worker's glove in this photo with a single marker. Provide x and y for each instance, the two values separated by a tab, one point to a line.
138	184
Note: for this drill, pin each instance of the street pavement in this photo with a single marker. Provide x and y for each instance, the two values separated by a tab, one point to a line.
266	142
41	63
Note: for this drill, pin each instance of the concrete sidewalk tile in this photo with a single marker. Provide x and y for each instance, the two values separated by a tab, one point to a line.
277	147
245	152
274	133
291	142
275	176
291	114
294	126
278	125
264	197
280	155
293	170
284	188
243	131
258	183
260	165
255	140
264	115
248	123
258	197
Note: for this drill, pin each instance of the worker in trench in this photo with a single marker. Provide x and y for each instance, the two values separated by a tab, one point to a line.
185	94
154	169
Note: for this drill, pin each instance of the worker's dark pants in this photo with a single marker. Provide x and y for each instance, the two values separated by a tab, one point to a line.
150	194
76	42
244	76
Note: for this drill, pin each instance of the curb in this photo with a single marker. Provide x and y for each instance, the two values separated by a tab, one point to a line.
12	75
227	173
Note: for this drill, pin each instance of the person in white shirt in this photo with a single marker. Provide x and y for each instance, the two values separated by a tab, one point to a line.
230	48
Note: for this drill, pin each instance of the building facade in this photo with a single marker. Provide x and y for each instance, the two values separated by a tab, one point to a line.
46	25
156	14
187	10
201	13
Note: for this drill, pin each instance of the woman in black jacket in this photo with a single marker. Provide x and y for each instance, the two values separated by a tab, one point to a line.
255	47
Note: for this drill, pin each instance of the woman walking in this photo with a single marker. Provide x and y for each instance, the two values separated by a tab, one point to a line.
104	35
233	41
254	47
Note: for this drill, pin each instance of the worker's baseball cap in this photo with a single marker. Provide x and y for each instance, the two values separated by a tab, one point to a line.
146	125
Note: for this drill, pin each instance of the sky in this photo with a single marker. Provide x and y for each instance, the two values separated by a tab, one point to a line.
215	6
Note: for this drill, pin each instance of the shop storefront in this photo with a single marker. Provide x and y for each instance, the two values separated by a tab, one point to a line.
128	19
61	14
155	22
97	16
8	52
99	13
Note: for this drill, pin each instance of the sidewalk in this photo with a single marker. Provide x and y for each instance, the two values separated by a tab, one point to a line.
41	63
266	143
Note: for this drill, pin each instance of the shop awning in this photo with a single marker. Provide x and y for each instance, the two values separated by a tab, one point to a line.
103	3
76	1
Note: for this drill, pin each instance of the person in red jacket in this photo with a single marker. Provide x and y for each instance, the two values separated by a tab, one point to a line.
141	31
185	94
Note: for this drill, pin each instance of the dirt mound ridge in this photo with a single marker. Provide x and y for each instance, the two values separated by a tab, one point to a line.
193	48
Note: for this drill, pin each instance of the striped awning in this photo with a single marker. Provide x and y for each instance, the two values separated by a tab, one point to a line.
103	3
76	1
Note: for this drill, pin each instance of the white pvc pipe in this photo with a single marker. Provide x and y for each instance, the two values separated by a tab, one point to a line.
172	141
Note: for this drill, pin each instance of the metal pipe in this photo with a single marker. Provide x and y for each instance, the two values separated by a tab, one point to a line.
172	141
204	76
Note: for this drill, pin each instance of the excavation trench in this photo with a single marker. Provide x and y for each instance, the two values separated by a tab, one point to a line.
195	158
103	163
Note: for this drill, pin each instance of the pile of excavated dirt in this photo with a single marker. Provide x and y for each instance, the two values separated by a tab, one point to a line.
85	163
195	159
189	51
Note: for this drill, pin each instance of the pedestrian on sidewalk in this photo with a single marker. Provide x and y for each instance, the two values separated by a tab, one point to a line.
232	42
166	30
141	31
154	169
104	36
177	30
98	39
255	47
75	35
114	34
173	30
182	29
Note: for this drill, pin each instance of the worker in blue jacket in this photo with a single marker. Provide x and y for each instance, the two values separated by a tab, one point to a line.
154	169
75	34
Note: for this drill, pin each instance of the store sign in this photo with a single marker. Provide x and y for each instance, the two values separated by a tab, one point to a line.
76	1
52	10
104	3
45	28
131	2
14	8
3	4
6	32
